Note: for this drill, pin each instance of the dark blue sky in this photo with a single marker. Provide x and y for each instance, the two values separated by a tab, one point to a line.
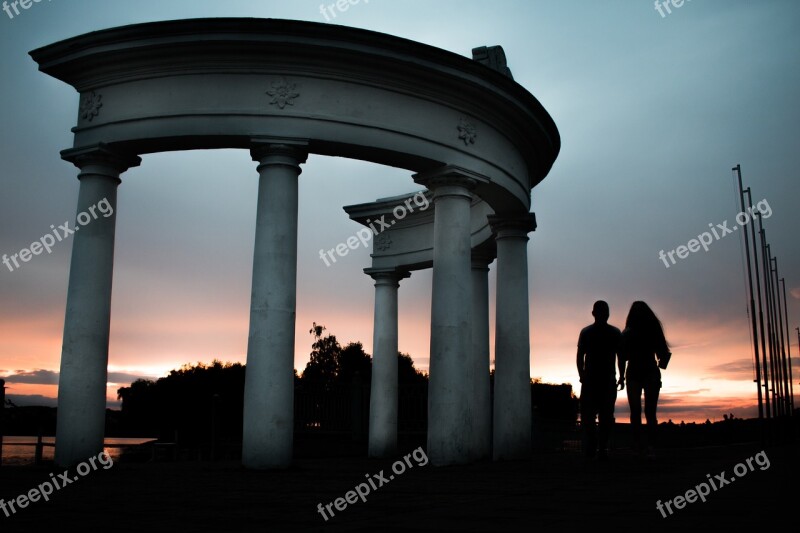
653	113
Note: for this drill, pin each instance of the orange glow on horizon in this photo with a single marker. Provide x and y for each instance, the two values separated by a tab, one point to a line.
696	386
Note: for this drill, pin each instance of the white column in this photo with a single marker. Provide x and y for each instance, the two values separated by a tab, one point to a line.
450	423
481	396
512	389
269	381
383	389
84	356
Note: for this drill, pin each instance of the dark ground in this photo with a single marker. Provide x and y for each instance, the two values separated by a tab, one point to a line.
559	491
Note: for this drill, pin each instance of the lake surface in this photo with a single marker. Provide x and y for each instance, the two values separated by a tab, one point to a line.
20	450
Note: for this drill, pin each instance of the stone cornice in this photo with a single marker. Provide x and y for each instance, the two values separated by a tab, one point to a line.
297	48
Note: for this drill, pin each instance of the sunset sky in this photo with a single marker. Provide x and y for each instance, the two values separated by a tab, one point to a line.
653	113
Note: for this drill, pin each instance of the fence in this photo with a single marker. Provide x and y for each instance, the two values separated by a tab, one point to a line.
344	409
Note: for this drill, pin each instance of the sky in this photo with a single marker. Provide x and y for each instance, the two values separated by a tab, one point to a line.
654	109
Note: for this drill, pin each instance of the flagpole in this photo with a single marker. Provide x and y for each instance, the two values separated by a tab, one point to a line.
777	381
798	340
754	325
788	348
764	364
2	412
782	353
765	260
761	305
760	308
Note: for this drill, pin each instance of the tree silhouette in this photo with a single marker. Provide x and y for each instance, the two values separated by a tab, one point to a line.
353	360
182	402
323	365
407	374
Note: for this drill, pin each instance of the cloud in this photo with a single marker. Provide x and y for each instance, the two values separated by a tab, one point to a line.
119	378
734	370
34	377
49	377
38	400
740	369
681	345
677	406
669	396
714	408
680	401
795	293
28	400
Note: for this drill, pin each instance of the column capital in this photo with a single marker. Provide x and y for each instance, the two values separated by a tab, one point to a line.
278	151
450	180
387	276
512	225
103	155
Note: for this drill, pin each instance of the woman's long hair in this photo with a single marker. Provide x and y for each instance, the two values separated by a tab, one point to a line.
643	321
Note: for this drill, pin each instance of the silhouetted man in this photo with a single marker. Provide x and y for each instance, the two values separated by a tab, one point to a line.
598	345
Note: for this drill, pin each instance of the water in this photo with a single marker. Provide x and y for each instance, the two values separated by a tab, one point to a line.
17	452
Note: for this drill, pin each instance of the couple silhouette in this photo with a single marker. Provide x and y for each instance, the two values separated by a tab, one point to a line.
640	351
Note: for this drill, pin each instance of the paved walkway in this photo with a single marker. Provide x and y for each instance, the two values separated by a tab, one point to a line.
549	492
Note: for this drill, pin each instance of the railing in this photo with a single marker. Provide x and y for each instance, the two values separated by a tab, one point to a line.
342	411
40	445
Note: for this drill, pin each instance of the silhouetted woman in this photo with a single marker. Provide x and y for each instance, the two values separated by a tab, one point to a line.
645	350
